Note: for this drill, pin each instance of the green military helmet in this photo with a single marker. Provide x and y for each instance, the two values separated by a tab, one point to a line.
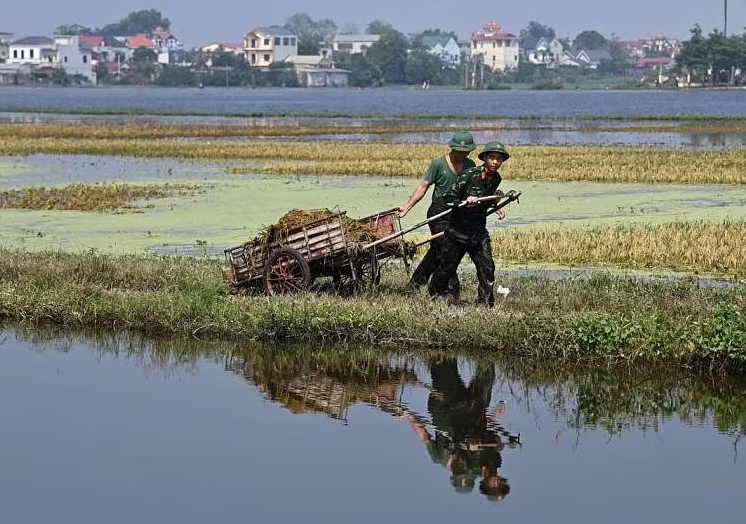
494	147
462	141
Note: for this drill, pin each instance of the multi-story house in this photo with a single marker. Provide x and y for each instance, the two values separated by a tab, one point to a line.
264	46
97	45
44	54
445	47
75	59
165	41
169	48
497	49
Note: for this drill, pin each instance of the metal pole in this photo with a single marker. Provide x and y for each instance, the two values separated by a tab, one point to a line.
510	198
422	223
725	17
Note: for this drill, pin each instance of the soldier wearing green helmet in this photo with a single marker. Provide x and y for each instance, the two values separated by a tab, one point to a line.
467	228
441	174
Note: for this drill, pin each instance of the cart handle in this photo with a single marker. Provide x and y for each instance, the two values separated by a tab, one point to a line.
510	196
441	214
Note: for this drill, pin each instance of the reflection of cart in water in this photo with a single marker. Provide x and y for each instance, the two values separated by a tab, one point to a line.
302	386
350	251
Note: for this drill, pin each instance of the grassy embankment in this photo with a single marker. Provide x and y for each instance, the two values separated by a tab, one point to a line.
607	318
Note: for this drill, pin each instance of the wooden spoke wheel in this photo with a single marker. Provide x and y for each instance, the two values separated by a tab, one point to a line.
367	274
286	272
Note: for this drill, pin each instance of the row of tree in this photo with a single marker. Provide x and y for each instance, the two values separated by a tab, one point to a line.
716	59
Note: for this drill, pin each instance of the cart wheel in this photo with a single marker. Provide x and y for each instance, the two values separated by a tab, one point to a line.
286	272
367	274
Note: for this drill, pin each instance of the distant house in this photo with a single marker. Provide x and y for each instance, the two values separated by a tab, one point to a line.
543	51
498	50
140	40
651	47
592	58
264	46
568	59
97	46
75	59
45	54
352	43
164	40
589	59
445	47
318	71
35	50
168	47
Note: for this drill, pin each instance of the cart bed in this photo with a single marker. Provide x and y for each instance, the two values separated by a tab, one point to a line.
314	241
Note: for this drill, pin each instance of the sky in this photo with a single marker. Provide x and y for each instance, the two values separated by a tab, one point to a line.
200	23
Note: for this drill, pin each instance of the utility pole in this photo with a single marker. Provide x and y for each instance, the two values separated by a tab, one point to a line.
725	18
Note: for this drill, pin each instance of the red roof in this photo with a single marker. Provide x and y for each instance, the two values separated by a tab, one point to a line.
651	62
140	40
491	31
91	40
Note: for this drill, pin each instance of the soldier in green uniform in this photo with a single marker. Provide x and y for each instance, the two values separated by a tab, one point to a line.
441	174
467	228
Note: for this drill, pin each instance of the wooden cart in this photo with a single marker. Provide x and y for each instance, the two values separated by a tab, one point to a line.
291	260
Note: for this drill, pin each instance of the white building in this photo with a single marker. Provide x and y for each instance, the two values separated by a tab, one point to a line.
498	50
73	58
34	50
44	53
352	44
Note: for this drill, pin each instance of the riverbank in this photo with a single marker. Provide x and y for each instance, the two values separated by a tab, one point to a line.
601	319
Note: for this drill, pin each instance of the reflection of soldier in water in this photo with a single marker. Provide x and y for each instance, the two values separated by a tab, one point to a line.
467	441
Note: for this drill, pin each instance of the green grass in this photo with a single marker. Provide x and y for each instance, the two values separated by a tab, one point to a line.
603	318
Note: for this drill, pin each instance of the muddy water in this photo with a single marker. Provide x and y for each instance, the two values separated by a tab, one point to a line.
117	429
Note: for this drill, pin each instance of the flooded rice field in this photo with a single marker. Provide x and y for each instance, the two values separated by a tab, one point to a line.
114	428
597	132
227	213
118	429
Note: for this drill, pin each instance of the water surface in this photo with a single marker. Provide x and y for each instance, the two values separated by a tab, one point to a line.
386	102
118	429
